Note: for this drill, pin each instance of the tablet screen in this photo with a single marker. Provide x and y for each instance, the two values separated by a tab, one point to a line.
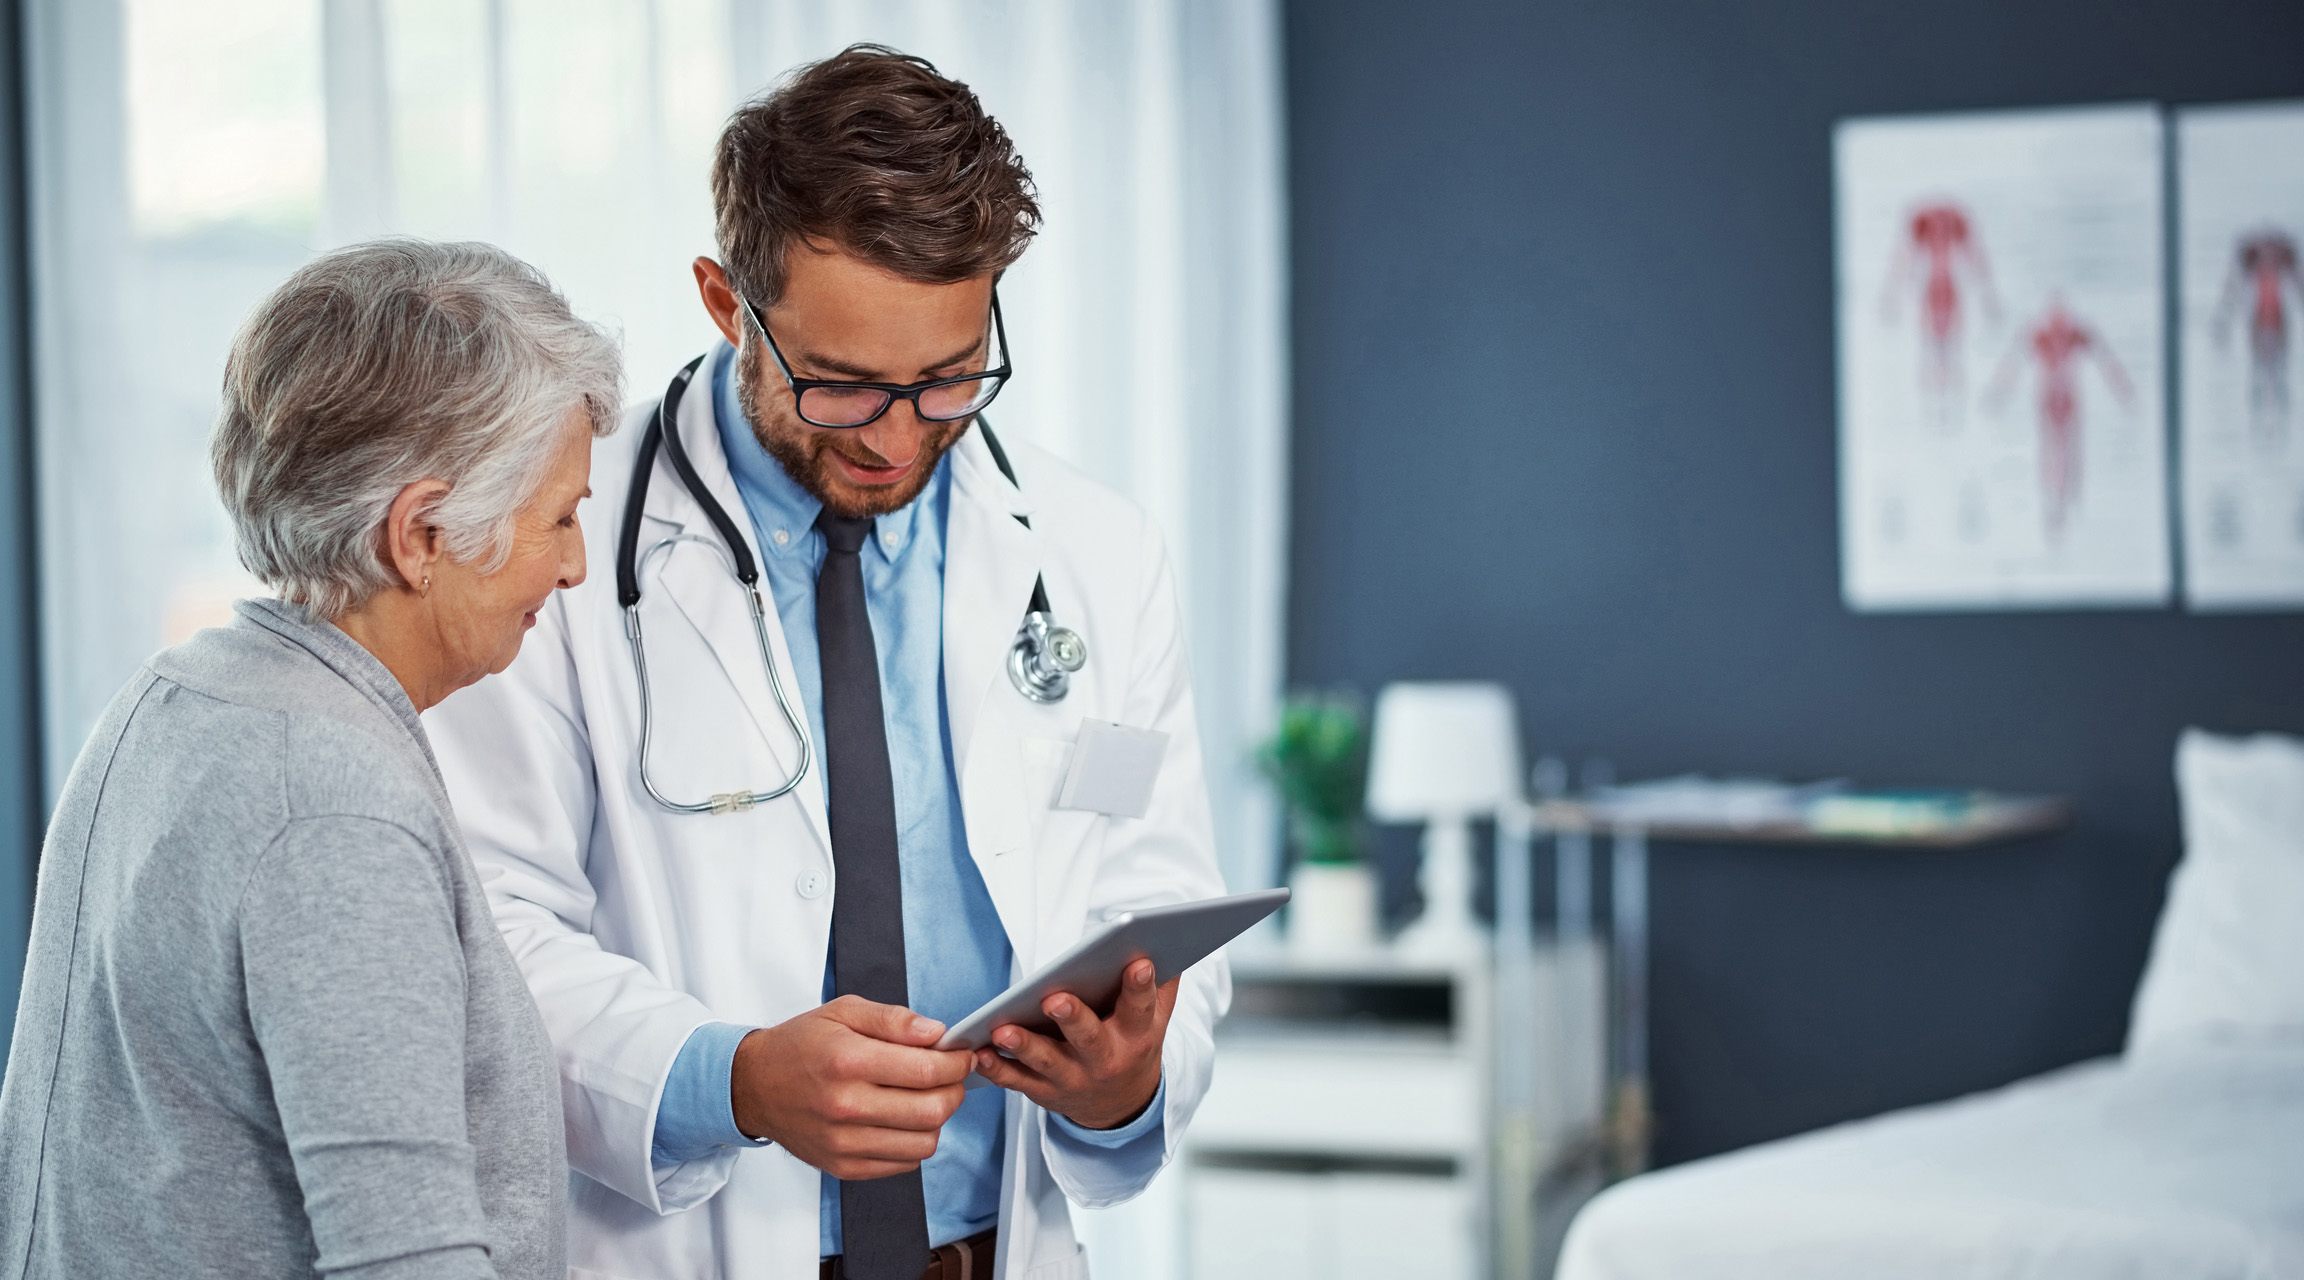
1175	937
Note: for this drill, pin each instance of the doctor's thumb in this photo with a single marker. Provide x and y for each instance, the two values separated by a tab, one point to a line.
892	1023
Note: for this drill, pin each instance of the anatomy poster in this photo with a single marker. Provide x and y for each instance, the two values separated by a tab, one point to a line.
2240	214
2002	433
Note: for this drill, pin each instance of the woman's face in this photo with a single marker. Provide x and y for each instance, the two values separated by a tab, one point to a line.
482	617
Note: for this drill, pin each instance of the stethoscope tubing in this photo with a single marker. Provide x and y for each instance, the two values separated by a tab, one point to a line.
662	433
1040	663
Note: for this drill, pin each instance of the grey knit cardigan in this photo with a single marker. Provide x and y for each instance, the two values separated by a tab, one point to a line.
268	1027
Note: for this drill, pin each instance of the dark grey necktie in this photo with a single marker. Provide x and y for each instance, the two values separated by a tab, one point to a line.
883	1222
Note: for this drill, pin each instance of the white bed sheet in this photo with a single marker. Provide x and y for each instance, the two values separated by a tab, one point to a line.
2189	1163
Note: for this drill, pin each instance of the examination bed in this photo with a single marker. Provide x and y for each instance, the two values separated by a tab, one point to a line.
2183	1157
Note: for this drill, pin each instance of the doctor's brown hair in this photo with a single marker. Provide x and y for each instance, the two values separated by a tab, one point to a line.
875	153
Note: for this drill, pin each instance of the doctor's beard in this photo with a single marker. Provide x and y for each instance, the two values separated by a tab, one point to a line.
803	451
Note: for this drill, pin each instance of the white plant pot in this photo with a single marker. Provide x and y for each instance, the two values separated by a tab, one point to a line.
1332	909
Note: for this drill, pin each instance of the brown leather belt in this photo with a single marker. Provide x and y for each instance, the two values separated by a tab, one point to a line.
969	1259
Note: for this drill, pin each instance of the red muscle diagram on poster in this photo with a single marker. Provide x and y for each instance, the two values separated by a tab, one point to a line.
2055	349
2263	279
1940	274
2240	194
2000	334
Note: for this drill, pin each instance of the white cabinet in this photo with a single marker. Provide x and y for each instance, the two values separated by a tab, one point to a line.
1353	1127
1378	1096
1250	1224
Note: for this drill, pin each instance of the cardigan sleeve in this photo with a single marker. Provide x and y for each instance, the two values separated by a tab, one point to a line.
356	992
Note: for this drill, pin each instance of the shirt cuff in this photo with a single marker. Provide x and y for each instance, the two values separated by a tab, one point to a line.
695	1117
1150	1120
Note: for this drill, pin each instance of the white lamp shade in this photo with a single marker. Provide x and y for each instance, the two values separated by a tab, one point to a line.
1443	749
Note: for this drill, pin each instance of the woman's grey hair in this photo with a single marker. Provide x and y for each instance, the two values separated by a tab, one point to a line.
383	364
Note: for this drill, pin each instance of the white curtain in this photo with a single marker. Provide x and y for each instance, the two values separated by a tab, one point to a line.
189	153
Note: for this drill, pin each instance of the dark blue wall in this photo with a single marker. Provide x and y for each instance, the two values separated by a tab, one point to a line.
22	813
1564	415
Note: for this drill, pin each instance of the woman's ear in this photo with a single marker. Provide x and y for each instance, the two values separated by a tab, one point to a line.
412	543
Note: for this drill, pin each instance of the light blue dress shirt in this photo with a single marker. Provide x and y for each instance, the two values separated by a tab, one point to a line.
956	953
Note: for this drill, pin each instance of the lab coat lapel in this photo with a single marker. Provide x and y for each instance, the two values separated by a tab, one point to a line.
704	588
990	561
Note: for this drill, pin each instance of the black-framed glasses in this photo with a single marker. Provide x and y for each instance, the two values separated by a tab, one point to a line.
824	402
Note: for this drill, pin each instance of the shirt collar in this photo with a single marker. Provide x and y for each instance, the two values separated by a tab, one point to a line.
783	513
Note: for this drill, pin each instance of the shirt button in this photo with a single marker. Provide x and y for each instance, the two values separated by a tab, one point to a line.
810	884
888	540
782	537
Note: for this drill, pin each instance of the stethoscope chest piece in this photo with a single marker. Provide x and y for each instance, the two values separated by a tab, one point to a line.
1041	662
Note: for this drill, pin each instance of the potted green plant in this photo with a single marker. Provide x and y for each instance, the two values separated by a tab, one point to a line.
1318	761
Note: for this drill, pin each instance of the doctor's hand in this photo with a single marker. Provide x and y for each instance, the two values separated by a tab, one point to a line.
1099	1073
850	1087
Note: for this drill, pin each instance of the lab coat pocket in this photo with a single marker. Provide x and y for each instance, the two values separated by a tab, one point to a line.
1058	833
1064	841
1045	762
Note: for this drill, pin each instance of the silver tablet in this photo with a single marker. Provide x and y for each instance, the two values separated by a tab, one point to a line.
1176	937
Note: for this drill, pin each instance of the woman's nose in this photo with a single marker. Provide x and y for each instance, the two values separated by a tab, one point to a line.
572	561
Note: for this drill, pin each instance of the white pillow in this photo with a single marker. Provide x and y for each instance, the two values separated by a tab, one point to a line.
2228	958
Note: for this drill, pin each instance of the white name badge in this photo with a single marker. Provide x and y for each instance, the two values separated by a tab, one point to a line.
1113	769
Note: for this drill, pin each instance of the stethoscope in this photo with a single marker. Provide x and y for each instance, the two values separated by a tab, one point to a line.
1041	661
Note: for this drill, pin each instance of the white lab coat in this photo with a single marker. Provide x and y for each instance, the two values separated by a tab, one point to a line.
634	925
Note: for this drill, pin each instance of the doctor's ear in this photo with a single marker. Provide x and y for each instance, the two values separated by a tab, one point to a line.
719	299
412	543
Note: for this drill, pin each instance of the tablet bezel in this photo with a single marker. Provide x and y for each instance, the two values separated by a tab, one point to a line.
1176	937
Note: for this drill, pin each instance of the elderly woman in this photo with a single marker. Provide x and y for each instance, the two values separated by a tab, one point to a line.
268	1027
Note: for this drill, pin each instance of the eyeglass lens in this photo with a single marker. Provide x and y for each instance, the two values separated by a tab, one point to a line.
850	406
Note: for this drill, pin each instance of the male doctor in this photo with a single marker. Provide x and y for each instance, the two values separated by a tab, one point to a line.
745	1000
